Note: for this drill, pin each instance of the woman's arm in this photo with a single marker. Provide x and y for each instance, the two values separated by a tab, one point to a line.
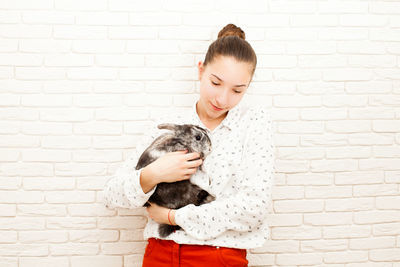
245	210
128	187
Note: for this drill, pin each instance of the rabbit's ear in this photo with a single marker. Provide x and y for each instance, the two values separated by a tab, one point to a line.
168	126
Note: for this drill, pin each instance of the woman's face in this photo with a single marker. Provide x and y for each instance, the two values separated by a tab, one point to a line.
222	85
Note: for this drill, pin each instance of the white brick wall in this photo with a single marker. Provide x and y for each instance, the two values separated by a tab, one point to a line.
81	80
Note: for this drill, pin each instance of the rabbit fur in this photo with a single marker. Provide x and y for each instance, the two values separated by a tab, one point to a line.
180	193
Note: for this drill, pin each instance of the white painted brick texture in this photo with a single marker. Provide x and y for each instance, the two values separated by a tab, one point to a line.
80	82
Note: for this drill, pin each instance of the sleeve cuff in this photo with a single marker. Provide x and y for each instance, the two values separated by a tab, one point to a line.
181	215
133	190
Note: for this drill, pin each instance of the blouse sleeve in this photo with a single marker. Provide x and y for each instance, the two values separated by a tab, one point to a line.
123	189
247	209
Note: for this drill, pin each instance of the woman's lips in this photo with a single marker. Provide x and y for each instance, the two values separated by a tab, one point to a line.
216	108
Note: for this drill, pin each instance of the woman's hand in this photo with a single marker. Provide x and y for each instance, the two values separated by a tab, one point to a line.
175	166
160	214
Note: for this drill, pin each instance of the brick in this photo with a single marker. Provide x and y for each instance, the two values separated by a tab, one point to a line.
345	257
276	61
348	33
297	7
371	243
376	216
74	223
155	18
370	139
66	142
43	236
363	20
24	250
48	17
27	169
144	73
9	16
296	233
152	47
97	100
131	222
371	113
322	61
387	254
282	192
123	248
9	128
8	210
349	204
39	73
310	179
69	249
346	231
91	5
343	7
300	127
46	128
22	223
347	74
35	155
323	191
98	260
48	184
88	210
93	236
25	31
374	190
98	128
98	46
43	262
135	5
386	229
303	259
353	152
298	205
379	164
328	218
81	169
359	177
334	165
323	245
121	114
348	126
385	8
14	59
389	202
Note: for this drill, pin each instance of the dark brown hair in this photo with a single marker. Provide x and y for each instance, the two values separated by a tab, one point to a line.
232	42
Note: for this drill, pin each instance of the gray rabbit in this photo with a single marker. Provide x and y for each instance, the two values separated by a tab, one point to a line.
181	193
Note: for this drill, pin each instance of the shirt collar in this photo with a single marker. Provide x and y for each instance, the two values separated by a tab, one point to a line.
230	121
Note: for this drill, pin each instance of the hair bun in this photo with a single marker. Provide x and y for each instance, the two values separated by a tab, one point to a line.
232	29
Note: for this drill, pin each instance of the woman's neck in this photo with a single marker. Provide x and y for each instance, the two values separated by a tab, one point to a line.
207	121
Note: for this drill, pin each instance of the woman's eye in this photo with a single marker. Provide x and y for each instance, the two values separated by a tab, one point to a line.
215	83
238	92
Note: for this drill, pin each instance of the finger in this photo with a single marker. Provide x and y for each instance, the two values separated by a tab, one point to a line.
194	163
193	155
180	151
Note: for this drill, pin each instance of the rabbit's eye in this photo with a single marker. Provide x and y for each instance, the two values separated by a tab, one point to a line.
198	137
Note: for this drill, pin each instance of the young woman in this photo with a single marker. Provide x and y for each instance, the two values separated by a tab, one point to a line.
238	171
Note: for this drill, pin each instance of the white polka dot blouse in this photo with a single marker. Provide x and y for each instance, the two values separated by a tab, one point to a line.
238	172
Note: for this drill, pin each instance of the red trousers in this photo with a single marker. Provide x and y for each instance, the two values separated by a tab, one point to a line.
167	253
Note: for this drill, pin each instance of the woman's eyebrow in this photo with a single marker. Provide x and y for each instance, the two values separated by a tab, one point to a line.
221	80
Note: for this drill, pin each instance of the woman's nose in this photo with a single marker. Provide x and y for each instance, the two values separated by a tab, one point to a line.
222	99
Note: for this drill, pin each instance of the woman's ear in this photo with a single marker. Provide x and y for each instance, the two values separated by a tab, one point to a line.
200	67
